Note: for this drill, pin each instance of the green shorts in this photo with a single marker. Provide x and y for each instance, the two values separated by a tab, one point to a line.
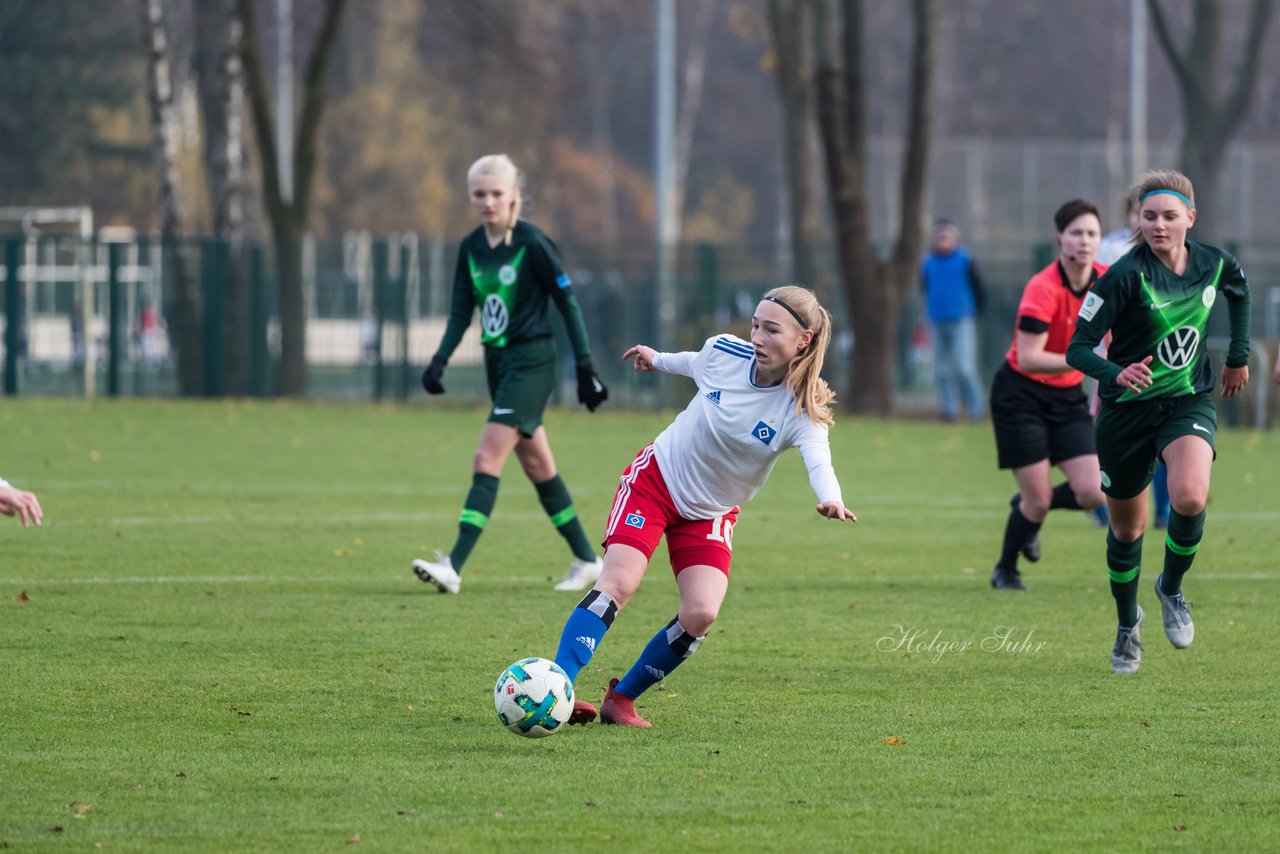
521	379
1132	437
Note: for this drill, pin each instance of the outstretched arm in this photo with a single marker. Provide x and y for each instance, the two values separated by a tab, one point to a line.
20	503
648	359
836	510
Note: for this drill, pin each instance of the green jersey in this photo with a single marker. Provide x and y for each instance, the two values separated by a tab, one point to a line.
512	285
1151	311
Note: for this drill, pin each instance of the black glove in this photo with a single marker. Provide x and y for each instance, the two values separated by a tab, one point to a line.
591	392
431	376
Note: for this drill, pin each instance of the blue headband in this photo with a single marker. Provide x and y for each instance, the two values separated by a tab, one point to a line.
1151	193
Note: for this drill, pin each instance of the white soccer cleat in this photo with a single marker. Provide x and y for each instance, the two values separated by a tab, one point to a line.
439	572
1126	656
581	574
1174	610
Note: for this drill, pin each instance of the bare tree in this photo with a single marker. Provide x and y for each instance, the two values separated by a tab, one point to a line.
874	288
165	141
787	21
1210	120
289	216
220	79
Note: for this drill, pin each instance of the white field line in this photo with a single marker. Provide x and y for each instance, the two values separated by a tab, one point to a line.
473	582
243	518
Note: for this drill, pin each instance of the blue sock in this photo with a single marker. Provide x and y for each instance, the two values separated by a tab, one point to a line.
584	630
661	655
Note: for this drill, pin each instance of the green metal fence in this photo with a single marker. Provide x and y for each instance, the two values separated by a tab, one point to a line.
106	318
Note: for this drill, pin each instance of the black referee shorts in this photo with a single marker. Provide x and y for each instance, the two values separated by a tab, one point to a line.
1035	422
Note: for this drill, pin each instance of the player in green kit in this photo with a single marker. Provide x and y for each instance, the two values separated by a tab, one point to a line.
1156	388
509	270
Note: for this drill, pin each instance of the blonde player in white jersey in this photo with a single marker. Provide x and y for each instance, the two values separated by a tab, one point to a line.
754	400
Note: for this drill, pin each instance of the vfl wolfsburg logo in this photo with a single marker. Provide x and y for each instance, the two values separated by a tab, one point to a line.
493	316
507	275
1177	350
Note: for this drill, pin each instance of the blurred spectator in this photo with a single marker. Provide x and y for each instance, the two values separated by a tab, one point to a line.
953	300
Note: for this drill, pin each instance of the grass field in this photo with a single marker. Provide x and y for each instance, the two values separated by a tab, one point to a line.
215	643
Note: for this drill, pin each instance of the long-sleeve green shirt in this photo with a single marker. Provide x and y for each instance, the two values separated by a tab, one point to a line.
1151	311
512	285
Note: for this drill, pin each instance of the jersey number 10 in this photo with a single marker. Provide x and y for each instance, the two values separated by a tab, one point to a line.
722	531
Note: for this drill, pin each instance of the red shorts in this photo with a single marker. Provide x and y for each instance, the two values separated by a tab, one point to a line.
643	511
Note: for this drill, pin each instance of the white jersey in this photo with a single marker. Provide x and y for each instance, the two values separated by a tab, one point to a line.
719	451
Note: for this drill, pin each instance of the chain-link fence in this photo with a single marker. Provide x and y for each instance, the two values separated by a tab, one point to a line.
98	318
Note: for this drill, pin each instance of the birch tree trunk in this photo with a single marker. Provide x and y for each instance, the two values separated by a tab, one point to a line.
183	301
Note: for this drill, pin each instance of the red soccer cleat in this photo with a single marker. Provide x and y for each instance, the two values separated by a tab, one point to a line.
583	712
620	709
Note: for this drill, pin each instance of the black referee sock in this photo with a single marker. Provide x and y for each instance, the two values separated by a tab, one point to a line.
1064	498
1017	531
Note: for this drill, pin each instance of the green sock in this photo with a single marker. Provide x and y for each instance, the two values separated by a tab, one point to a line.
555	499
1124	564
474	516
1181	541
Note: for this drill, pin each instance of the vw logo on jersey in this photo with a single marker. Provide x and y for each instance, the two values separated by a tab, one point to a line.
1209	295
763	432
1179	348
493	316
507	275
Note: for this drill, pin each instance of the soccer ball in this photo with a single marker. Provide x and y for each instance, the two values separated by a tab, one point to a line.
533	697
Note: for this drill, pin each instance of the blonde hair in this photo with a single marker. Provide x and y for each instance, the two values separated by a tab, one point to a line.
500	166
1157	180
813	396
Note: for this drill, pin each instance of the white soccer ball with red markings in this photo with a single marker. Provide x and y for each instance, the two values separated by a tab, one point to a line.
533	697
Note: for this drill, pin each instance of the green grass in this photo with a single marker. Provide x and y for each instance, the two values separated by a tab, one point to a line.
222	648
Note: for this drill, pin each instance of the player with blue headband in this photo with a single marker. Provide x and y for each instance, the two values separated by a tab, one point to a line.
1156	390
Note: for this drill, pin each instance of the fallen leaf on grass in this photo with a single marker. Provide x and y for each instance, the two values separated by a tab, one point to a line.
1179	828
355	840
893	739
23	597
181	774
81	809
1146	725
240	711
340	552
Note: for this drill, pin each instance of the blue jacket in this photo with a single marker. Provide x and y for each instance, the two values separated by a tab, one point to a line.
952	286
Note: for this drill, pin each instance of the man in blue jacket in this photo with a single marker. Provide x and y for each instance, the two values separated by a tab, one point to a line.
953	298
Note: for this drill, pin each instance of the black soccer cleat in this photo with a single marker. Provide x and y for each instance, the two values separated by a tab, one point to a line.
1006	579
